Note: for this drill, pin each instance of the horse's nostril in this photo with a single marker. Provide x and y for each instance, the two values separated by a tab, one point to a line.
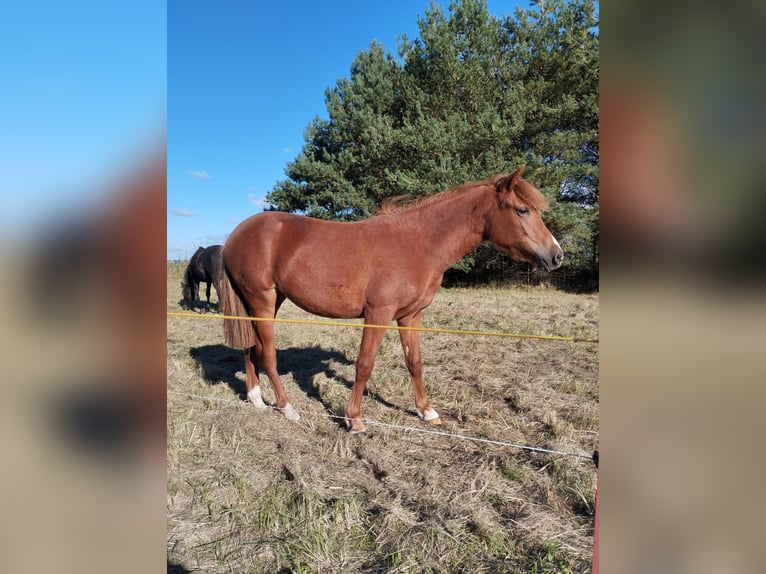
558	258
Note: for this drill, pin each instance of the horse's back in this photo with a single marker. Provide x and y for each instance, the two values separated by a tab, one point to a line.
276	238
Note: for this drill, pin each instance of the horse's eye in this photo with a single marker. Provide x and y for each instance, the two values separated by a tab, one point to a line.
523	212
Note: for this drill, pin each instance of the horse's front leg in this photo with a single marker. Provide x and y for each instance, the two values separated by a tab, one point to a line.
411	347
195	293
207	295
371	340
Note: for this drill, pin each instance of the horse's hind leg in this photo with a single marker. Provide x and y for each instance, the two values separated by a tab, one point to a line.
218	296
268	355
252	383
411	347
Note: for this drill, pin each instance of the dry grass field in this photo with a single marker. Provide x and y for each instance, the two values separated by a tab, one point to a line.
250	491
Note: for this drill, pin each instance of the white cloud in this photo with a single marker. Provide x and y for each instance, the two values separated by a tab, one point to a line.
199	174
258	201
217	238
184	213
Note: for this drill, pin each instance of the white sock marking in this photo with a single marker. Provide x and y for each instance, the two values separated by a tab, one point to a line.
290	413
254	396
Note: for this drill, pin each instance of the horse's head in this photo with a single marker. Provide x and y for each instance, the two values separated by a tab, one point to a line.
186	294
516	225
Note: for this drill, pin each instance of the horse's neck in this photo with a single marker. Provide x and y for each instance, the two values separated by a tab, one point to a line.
453	226
190	280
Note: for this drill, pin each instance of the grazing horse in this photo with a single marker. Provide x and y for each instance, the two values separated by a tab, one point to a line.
205	266
384	268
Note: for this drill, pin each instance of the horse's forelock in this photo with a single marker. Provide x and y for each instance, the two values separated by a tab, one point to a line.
532	196
524	190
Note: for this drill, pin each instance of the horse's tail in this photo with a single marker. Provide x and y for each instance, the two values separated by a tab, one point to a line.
237	333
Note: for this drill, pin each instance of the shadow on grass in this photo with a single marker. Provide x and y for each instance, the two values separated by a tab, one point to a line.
200	307
174	568
220	365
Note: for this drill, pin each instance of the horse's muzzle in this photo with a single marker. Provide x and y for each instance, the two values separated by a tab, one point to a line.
557	259
554	262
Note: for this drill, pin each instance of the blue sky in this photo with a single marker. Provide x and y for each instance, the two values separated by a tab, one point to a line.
245	78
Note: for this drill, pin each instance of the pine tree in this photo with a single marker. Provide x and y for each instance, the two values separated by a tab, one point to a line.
472	96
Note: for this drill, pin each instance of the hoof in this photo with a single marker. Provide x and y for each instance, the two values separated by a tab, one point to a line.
355	426
429	416
290	413
254	396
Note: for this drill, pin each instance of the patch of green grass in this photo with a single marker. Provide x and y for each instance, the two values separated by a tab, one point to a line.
512	470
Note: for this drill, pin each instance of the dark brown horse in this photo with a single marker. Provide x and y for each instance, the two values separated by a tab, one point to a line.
384	268
205	266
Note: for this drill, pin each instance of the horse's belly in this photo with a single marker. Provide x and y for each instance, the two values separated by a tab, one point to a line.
322	309
325	296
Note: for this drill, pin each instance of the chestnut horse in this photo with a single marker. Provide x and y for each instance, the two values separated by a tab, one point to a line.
384	268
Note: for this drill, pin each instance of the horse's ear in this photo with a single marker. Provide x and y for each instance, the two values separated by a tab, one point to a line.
506	184
516	175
